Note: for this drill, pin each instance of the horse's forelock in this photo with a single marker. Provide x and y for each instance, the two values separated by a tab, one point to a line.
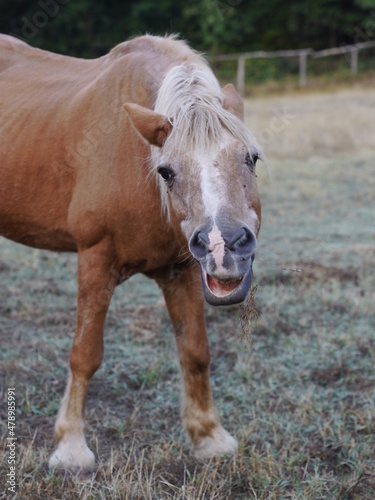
191	97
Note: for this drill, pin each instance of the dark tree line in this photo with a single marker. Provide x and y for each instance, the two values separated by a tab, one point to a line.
90	28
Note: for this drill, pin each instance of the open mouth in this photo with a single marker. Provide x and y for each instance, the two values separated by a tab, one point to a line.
226	292
221	288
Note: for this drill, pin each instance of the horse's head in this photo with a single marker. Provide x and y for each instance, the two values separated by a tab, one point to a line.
206	158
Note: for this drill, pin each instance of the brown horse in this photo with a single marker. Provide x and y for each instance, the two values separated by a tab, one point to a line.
166	188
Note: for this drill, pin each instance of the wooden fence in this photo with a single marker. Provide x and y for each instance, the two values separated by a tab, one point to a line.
301	54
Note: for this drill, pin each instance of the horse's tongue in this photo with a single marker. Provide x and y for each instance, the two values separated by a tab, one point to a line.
221	289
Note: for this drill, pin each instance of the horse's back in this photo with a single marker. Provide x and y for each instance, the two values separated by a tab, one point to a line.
15	53
38	71
11	51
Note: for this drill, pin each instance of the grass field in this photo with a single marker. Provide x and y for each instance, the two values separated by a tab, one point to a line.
301	400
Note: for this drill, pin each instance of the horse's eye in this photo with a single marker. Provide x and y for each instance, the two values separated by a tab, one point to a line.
251	160
167	173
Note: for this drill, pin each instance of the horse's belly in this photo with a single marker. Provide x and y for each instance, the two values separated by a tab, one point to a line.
33	217
35	234
34	194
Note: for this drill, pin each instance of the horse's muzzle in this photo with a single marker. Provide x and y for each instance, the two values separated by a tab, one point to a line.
225	258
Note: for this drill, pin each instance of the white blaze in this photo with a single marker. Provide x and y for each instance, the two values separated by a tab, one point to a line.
213	196
217	247
210	186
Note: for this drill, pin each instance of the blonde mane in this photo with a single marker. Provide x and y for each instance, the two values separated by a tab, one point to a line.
191	97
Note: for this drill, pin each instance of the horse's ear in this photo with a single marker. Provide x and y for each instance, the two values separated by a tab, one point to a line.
153	127
233	102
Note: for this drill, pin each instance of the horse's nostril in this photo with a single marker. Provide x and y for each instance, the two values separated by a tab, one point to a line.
199	244
243	240
199	240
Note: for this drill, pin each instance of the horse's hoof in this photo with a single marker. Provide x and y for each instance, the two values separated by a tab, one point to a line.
72	456
220	443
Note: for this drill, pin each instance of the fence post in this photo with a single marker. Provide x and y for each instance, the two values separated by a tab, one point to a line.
241	75
354	62
302	69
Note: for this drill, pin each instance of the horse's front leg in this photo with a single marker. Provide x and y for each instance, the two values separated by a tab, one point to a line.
96	282
184	298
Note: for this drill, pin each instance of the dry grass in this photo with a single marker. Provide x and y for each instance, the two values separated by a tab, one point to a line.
301	402
248	318
314	124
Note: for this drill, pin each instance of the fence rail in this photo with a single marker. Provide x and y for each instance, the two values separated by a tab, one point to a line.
302	55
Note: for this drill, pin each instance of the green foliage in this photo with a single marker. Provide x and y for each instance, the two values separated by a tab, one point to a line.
90	29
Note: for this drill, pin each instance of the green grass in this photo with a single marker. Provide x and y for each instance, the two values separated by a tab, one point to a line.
301	402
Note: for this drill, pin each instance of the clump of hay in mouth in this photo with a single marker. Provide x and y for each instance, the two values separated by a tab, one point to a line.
248	318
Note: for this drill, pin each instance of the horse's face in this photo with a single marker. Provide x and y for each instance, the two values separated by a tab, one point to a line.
215	203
